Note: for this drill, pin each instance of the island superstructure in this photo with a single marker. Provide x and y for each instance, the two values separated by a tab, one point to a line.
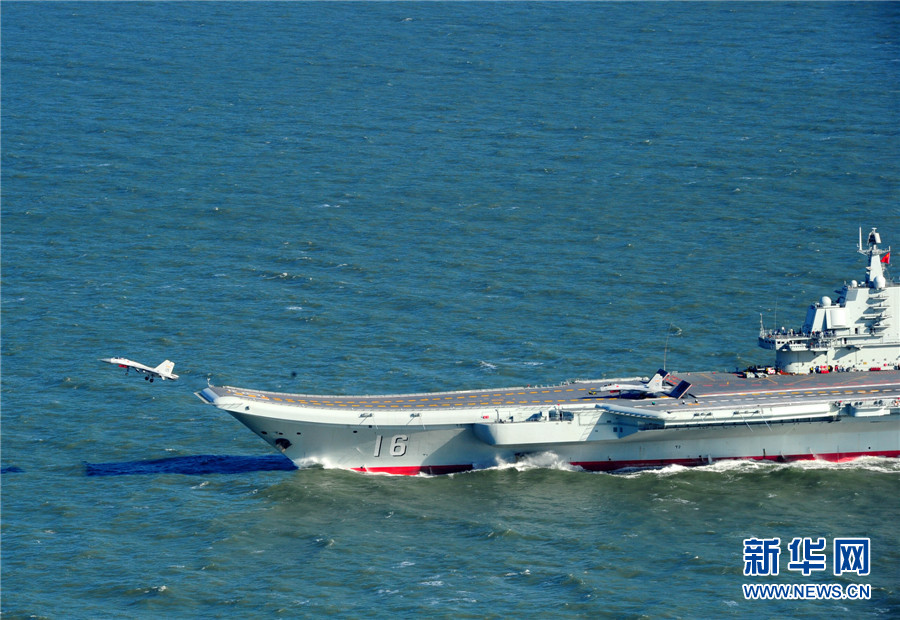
860	330
821	414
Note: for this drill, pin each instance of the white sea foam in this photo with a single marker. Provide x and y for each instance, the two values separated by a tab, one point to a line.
732	466
878	464
542	460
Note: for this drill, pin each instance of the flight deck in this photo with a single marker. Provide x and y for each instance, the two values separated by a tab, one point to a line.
710	389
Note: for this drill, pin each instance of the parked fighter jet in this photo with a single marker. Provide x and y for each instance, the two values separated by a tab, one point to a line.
653	388
163	371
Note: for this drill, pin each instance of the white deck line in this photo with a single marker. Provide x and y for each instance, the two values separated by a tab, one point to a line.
843	387
586	384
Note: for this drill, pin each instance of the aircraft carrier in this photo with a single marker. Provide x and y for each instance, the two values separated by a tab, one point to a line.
833	393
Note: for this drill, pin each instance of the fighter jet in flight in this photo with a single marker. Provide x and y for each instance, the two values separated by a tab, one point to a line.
163	371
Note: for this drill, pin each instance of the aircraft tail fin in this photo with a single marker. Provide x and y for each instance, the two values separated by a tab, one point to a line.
680	389
656	383
165	370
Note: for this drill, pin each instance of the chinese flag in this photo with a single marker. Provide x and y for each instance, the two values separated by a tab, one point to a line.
886	258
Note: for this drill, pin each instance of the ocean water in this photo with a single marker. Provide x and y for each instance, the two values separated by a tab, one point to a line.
381	197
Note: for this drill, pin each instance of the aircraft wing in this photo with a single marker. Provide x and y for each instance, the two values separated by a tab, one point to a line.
121	362
624	387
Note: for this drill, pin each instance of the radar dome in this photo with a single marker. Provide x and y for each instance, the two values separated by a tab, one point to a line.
826	301
880	282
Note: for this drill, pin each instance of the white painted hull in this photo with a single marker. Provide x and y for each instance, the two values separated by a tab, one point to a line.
593	440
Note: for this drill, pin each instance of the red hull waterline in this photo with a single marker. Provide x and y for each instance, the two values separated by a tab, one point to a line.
836	457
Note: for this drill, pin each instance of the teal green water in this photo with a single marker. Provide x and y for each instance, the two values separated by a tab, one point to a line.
386	197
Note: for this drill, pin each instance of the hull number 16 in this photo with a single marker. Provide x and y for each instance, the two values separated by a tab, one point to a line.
397	445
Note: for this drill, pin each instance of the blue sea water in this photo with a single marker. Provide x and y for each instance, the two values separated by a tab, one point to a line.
382	197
